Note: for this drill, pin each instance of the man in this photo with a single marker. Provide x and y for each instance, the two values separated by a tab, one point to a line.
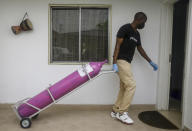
128	38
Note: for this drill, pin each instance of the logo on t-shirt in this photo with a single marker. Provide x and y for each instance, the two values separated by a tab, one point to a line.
132	38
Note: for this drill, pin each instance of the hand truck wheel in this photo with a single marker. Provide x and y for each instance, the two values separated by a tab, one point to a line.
25	123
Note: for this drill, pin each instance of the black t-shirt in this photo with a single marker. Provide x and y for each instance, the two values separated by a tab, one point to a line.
131	40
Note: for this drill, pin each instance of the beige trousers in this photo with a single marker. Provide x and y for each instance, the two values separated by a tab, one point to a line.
127	87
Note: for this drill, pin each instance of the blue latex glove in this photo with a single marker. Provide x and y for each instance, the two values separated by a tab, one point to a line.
155	67
115	67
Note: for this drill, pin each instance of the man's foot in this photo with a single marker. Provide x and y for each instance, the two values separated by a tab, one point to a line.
124	118
113	114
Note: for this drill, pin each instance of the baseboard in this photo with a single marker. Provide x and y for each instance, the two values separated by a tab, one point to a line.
90	106
186	129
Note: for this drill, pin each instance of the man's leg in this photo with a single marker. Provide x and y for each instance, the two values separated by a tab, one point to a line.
119	98
126	77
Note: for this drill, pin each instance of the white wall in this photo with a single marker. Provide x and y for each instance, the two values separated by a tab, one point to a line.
24	69
187	96
188	101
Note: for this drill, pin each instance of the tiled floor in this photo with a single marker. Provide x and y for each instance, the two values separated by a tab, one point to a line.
76	118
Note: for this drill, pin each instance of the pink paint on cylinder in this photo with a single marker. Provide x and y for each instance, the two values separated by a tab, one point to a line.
60	88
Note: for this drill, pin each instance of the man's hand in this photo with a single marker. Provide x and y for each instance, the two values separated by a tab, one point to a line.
142	52
155	67
115	67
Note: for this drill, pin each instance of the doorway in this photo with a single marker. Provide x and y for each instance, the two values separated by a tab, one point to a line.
177	56
175	27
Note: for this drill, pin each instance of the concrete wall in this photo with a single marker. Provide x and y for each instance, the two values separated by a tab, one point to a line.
24	69
187	97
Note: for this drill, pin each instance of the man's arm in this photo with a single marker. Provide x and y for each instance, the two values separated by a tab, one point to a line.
119	41
143	53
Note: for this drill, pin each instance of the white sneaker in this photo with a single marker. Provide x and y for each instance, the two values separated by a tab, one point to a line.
113	114
124	118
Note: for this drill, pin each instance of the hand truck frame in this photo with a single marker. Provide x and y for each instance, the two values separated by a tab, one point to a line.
26	121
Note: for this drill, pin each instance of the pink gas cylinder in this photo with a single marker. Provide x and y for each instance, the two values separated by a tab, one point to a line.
60	88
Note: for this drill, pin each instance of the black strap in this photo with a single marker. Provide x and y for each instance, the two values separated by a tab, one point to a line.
25	16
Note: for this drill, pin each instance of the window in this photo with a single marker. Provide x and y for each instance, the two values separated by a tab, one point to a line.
79	34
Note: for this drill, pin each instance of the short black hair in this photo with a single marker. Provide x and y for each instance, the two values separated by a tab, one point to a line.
140	15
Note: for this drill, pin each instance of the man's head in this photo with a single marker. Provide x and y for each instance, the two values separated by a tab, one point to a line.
140	19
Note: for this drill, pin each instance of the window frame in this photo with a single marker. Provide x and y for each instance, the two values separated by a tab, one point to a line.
50	62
